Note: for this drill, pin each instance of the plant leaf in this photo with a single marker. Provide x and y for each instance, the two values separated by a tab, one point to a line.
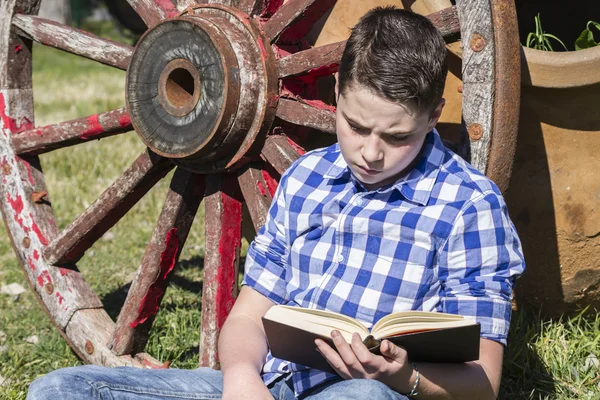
585	40
557	39
594	23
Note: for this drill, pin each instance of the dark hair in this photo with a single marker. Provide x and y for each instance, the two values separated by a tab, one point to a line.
397	54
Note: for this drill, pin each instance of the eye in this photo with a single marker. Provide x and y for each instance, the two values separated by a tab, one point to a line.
398	139
359	130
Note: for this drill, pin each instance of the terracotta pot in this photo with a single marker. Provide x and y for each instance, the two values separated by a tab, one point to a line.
554	192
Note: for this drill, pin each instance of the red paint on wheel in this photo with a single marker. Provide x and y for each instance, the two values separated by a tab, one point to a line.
228	244
17	205
36	255
271	8
124	120
31	264
94	128
60	298
29	173
38	232
18	48
11	123
150	302
167	7
63	272
296	146
45	275
270	181
261	188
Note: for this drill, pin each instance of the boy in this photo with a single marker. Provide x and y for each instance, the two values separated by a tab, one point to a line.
386	220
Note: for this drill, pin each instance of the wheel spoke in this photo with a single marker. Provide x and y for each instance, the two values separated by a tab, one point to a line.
280	151
223	239
74	41
107	210
299	113
321	60
70	133
153	11
447	22
290	13
148	288
256	195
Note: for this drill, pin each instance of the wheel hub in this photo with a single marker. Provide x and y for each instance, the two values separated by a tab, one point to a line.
202	88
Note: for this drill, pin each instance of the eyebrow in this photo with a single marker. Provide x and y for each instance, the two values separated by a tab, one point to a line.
359	126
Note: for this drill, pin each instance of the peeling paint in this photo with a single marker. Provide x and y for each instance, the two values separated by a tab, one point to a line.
150	303
44	275
60	298
271	8
38	232
36	255
167	7
271	183
29	173
124	120
17	205
10	123
63	272
31	264
261	188
94	128
296	146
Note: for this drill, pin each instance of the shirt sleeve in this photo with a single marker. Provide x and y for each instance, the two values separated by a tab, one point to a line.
479	264
267	256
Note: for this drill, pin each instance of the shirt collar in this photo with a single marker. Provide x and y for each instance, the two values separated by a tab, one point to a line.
417	184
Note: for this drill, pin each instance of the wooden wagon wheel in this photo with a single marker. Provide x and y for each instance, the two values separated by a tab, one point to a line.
223	92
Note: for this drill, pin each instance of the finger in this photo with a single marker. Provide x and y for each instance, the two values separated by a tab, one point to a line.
333	358
393	352
370	362
347	354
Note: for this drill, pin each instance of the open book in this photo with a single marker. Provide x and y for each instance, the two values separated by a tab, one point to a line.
426	336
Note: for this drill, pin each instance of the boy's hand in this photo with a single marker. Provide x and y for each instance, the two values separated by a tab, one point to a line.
353	360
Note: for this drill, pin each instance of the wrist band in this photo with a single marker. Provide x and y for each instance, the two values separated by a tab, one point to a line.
413	392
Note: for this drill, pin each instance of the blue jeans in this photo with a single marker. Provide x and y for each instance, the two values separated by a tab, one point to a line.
125	383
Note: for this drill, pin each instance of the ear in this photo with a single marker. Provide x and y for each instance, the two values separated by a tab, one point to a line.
337	85
436	114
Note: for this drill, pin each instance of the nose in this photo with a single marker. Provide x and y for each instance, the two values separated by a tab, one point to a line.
372	151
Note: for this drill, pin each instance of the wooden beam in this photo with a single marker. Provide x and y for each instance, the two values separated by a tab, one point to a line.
108	209
324	57
153	11
281	151
74	41
147	290
256	195
302	114
69	133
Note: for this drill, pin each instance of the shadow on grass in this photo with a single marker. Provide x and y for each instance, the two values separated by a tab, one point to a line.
524	375
113	301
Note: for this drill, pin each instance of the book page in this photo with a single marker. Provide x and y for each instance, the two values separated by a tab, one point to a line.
413	317
413	327
320	322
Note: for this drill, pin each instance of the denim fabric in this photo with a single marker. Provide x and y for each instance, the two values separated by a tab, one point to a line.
125	383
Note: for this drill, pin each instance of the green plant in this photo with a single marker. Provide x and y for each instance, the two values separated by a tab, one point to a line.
539	39
586	39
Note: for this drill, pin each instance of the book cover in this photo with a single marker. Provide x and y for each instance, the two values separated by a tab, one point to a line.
448	345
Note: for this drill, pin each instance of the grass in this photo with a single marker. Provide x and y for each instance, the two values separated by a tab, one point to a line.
545	359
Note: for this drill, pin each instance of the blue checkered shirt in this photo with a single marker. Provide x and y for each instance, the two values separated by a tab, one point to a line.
438	239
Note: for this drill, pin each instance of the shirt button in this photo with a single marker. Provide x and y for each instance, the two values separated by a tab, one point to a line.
359	202
340	258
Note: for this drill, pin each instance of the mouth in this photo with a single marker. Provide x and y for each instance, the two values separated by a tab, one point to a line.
368	171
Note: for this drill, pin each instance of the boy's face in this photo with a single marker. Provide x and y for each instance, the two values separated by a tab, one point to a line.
379	139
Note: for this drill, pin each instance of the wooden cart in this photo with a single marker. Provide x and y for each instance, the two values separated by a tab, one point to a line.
225	93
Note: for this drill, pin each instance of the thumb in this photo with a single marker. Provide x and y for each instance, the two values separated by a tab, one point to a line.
392	351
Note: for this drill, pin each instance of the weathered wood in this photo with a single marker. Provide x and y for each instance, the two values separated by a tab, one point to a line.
478	77
256	195
292	12
447	23
306	115
223	206
507	87
88	332
150	283
74	41
30	225
108	209
153	11
70	133
281	151
318	58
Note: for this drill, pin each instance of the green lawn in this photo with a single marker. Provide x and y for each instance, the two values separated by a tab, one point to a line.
545	359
